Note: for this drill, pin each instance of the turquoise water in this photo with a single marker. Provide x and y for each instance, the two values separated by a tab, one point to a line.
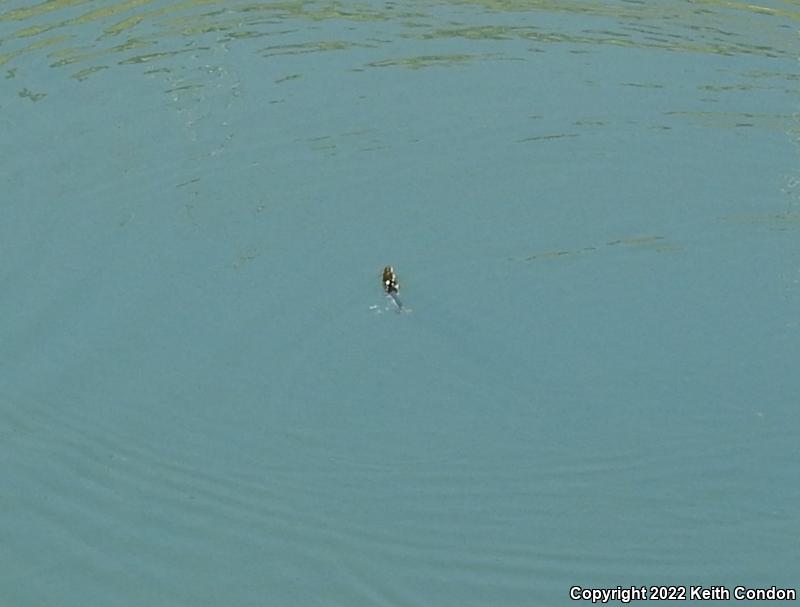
205	399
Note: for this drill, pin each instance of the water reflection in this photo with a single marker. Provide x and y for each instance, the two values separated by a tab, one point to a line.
73	32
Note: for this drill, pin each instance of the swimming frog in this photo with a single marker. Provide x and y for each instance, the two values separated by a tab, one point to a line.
392	286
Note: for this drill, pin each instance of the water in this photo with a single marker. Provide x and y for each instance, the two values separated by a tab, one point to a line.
593	210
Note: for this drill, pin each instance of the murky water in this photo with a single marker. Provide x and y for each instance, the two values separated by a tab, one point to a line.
593	209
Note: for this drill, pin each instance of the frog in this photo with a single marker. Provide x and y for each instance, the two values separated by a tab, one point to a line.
392	286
